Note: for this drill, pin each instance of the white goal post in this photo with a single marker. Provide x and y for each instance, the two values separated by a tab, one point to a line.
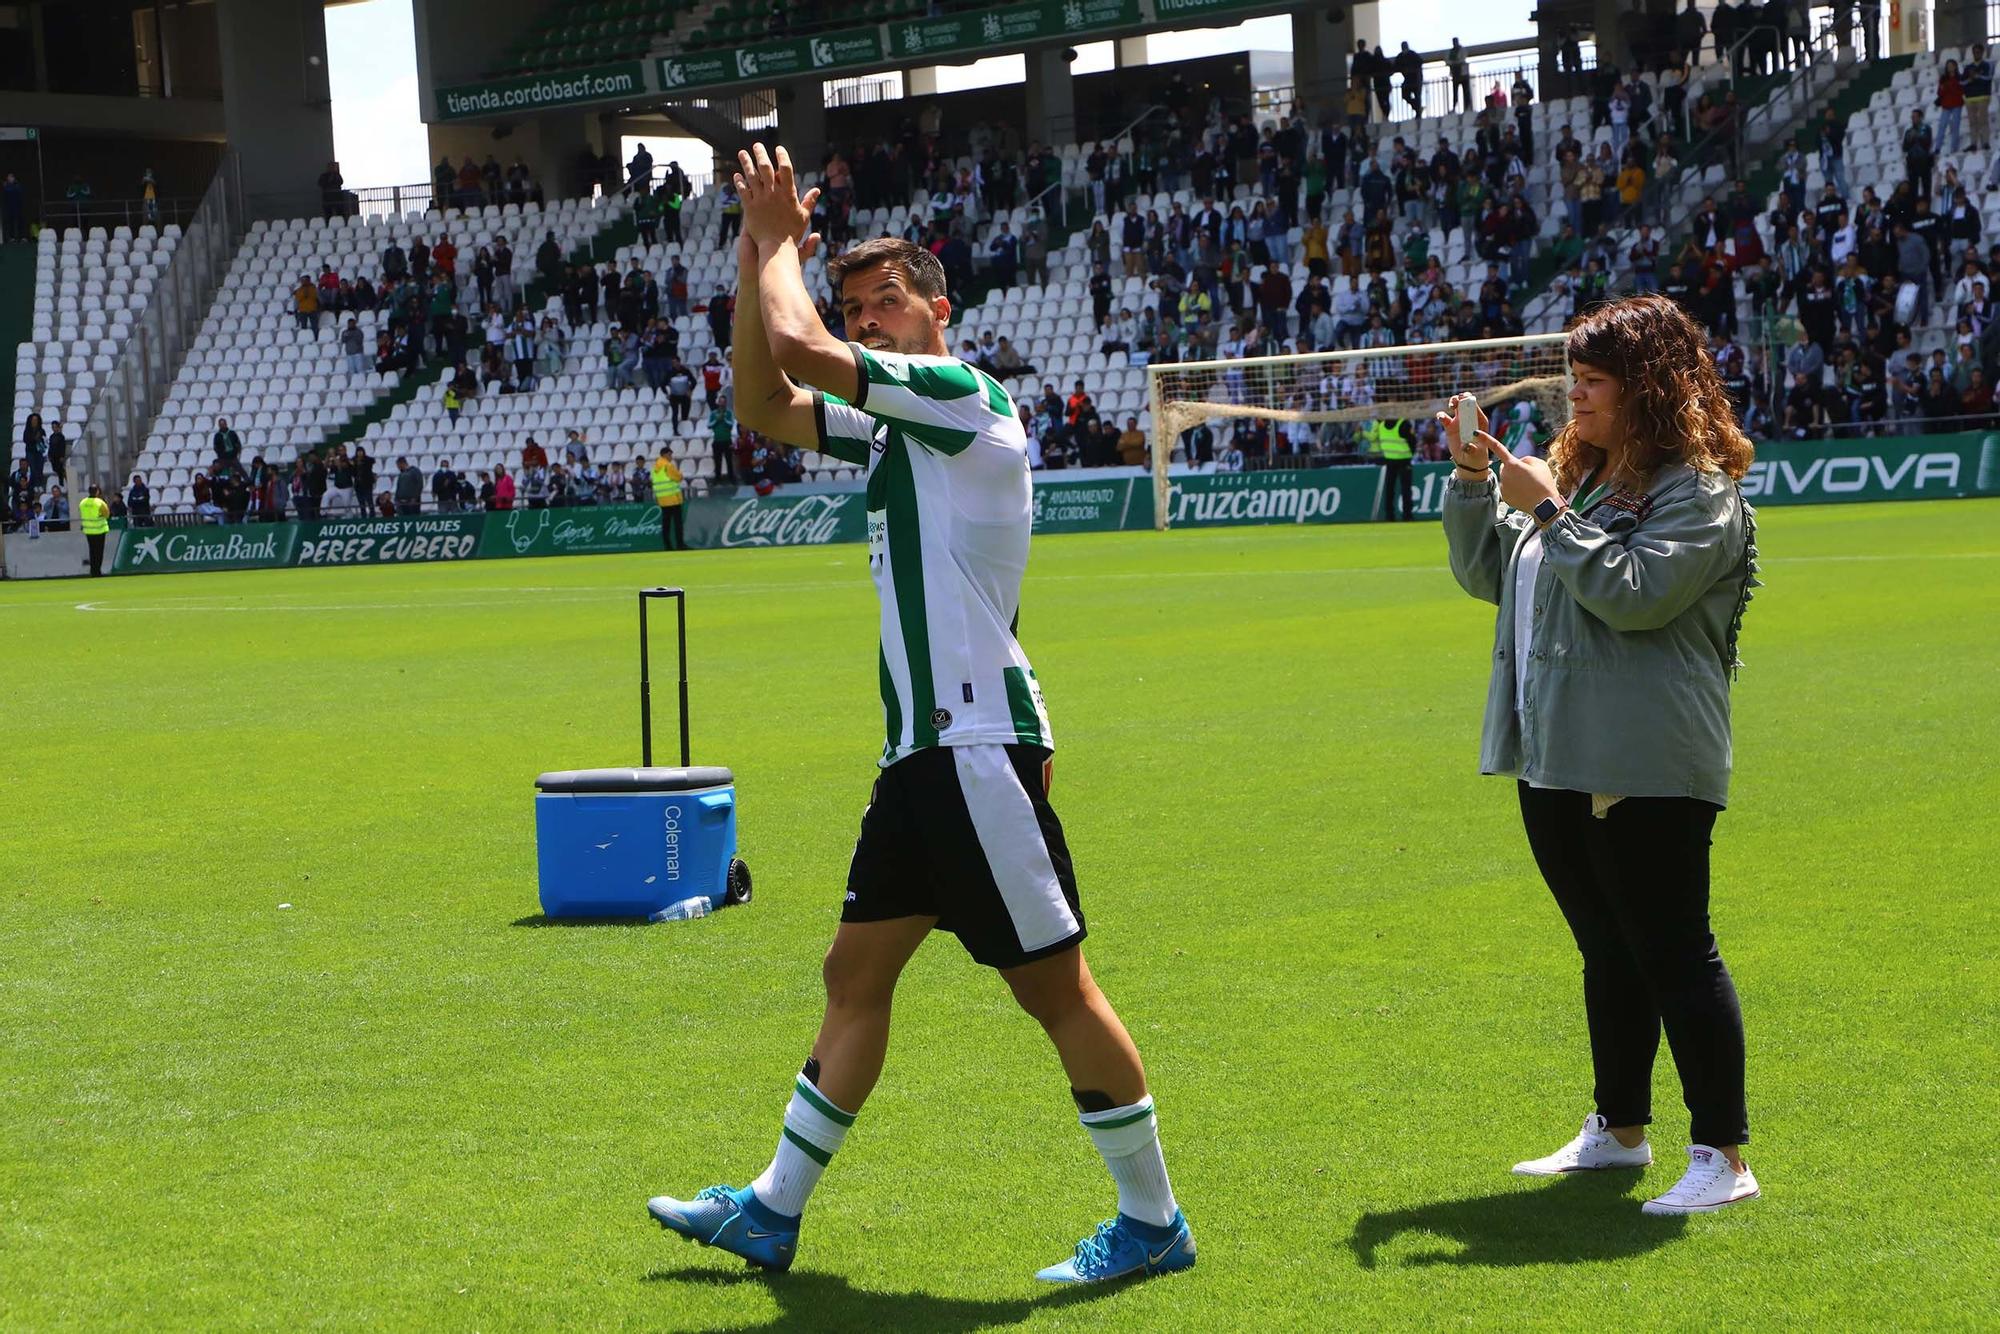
1365	384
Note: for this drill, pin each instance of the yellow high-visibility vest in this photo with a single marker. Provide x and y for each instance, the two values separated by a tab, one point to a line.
96	516
666	483
1386	441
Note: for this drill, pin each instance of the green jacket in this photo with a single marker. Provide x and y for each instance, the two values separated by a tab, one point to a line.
1637	611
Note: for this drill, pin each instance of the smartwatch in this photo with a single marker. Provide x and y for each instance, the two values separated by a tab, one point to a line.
1547	510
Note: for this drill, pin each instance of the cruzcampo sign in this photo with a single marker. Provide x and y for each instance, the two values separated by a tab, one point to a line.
1316	495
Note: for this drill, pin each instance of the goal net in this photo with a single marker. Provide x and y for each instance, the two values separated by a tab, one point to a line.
1314	403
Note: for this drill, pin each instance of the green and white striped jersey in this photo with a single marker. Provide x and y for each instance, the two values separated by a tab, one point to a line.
949	515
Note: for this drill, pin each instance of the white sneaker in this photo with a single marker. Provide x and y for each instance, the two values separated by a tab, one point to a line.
1710	1183
1592	1150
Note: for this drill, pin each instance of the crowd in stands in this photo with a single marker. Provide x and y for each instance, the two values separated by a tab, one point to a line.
1205	236
1833	313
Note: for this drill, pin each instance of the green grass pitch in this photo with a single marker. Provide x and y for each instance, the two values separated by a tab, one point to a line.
394	1105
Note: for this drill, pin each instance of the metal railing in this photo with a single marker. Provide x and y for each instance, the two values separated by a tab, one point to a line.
132	390
1437	96
134	212
863	93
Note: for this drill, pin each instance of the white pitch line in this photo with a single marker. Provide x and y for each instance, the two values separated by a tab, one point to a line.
546	594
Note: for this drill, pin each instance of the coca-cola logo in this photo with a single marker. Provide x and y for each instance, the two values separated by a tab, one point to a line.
807	521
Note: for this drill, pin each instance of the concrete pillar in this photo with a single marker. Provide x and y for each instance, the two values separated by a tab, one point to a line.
920	82
277	108
1051	97
1552	19
1960	22
802	122
1130	53
1322	43
1608	26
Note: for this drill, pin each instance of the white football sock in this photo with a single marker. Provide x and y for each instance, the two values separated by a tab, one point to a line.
1129	1140
814	1129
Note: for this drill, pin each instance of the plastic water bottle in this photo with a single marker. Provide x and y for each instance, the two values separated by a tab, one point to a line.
684	911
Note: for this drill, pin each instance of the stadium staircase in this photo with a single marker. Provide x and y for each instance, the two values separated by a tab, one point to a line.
726	122
1875	109
1858	84
17	305
1774	107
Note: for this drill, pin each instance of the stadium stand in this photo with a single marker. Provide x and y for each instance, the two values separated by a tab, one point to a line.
1444	228
87	285
283	385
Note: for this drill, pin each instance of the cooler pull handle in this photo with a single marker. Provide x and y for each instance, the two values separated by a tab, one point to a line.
645	678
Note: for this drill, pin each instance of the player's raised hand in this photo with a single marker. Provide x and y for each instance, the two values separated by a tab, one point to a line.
772	209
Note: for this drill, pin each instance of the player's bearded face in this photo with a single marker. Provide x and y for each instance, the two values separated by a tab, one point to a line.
884	315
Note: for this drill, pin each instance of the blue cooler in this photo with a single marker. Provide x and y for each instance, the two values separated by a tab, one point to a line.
628	842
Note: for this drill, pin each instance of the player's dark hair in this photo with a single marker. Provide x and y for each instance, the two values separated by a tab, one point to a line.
919	267
1672	406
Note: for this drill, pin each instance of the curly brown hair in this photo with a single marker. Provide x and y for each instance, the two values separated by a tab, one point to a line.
1672	406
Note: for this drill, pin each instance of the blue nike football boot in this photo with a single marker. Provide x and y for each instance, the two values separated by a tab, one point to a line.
1123	1247
734	1221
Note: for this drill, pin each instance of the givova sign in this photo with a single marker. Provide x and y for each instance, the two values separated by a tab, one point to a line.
1927	468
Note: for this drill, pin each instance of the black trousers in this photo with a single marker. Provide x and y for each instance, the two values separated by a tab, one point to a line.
96	542
1634	890
673	527
1396	482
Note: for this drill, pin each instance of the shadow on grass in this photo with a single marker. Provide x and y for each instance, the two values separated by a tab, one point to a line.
538	919
811	1300
1574	1219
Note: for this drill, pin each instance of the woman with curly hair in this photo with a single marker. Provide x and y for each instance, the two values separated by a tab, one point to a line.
1621	566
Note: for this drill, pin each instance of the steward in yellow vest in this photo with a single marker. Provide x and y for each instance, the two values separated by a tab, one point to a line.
96	517
1389	441
667	494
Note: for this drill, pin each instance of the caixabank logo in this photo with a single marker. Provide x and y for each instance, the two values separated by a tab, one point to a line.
197	549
